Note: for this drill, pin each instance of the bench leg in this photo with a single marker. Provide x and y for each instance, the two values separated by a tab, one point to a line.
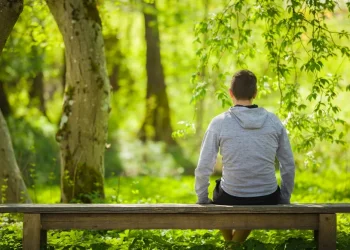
43	239
33	236
326	235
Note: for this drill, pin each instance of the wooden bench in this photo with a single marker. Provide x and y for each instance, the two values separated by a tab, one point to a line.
38	218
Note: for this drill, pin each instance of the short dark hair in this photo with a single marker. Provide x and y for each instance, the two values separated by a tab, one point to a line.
243	85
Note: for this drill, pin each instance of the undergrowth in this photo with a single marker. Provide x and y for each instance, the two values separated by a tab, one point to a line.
310	188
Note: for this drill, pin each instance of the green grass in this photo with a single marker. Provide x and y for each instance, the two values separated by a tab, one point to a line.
310	187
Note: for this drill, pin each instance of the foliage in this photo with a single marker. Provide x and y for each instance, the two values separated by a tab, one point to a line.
295	43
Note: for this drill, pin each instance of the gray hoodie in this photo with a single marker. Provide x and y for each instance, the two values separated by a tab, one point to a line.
249	140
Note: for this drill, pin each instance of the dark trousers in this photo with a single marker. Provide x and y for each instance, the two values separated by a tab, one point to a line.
220	197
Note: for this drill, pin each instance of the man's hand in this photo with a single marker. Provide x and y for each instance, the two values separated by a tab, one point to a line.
205	201
283	200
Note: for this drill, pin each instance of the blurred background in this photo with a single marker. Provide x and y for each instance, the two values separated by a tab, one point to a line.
32	85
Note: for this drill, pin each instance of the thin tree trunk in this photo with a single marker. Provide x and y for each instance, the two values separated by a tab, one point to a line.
83	129
4	103
36	92
113	61
114	77
12	187
157	124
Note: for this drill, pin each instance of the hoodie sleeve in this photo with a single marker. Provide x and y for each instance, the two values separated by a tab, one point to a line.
206	162
287	167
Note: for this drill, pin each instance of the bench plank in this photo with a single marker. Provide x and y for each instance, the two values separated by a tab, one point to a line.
180	221
173	208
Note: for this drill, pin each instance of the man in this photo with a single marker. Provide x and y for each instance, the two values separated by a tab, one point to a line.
249	139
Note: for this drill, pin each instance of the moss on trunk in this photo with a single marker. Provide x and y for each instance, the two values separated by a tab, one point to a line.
92	12
82	183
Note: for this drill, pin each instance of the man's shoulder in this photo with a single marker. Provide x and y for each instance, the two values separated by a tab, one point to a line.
274	119
216	122
220	117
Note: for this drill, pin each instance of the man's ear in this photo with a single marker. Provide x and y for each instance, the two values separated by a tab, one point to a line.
231	93
254	96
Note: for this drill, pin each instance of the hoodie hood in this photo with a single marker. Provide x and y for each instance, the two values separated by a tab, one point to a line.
249	118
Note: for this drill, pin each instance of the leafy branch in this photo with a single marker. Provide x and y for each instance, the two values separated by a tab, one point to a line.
307	85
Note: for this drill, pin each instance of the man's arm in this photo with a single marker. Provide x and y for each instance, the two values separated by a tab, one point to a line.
287	167
206	163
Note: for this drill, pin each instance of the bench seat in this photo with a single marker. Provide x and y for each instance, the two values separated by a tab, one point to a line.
38	218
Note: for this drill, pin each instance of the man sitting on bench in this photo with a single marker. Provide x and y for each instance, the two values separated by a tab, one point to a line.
249	139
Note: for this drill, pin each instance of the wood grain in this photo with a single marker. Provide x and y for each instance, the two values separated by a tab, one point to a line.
179	221
327	232
31	231
174	208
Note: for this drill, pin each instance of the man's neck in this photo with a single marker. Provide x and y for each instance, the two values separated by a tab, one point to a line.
243	102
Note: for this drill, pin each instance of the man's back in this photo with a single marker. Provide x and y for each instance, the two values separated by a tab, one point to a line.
248	140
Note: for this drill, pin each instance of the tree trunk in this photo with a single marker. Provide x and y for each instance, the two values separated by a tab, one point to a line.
36	92
83	128
113	61
4	103
12	187
157	125
64	72
9	13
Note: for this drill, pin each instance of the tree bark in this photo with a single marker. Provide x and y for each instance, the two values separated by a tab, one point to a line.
12	187
83	128
4	103
113	61
36	92
64	72
157	124
9	13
